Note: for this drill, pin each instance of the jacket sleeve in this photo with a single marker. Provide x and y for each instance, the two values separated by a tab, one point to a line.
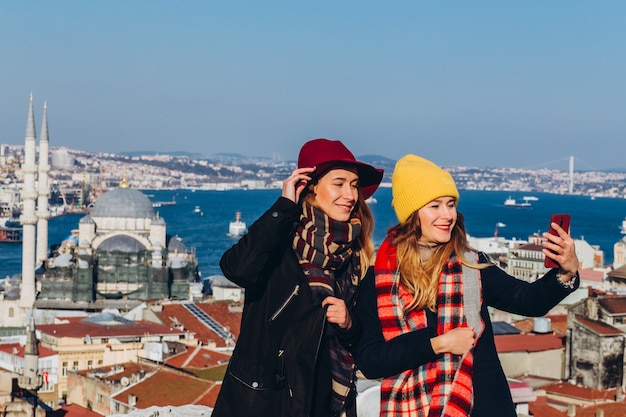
246	260
378	358
508	293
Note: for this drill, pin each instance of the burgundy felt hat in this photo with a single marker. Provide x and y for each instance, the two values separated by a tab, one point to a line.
323	154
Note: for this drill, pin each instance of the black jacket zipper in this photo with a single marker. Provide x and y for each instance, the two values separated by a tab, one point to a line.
284	305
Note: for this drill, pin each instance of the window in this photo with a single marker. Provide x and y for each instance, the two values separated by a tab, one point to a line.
75	366
64	369
89	364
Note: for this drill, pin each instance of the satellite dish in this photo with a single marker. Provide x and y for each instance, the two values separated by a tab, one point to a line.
125	381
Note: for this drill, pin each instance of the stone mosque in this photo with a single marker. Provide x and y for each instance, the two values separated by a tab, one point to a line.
121	251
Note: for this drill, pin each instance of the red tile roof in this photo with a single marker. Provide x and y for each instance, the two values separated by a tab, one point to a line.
558	324
73	410
531	247
528	342
126	369
168	388
16	349
172	314
197	357
614	305
598	327
83	328
579	392
541	408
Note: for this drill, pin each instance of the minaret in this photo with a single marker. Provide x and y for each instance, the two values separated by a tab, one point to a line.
30	379
28	217
43	212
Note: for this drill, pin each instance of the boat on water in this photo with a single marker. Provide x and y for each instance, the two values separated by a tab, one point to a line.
197	209
511	202
623	227
237	228
164	203
10	231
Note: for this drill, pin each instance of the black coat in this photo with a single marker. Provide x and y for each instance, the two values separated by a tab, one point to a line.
492	397
276	361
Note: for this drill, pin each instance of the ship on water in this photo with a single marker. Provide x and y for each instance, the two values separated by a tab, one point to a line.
511	202
237	228
10	231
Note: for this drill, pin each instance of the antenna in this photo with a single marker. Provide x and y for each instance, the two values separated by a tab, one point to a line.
571	174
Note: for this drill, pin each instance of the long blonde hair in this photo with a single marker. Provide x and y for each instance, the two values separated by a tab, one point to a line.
421	276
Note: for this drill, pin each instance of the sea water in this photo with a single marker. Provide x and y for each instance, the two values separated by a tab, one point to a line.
595	220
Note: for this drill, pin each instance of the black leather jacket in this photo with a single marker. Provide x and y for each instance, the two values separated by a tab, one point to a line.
271	372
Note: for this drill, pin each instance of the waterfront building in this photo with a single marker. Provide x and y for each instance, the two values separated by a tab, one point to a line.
120	251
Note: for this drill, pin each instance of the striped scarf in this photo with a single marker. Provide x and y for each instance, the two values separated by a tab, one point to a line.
442	388
329	256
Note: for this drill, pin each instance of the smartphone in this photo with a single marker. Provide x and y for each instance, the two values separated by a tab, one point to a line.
562	220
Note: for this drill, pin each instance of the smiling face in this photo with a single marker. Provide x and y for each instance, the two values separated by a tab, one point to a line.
437	219
337	192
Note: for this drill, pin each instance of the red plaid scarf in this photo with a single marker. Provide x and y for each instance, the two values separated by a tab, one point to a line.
440	388
327	250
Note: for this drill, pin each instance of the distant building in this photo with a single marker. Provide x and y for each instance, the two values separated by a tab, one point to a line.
121	251
595	346
102	340
616	280
61	158
619	253
526	262
224	289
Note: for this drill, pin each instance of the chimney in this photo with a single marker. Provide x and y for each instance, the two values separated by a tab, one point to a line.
599	412
571	410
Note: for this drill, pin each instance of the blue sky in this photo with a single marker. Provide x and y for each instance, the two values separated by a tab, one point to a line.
476	83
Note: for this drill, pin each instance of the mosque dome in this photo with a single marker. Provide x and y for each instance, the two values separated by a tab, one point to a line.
121	243
123	202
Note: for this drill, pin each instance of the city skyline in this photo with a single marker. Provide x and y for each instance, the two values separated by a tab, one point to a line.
486	84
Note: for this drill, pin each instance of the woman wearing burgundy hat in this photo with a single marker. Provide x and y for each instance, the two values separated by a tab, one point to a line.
301	264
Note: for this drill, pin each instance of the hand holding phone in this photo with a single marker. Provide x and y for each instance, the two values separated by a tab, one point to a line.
563	220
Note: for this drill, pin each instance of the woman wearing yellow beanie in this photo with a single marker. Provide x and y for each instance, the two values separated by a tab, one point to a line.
426	329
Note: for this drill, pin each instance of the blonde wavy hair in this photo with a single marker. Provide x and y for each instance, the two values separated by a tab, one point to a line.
421	276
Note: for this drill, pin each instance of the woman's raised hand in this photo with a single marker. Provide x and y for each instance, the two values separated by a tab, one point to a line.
562	250
296	183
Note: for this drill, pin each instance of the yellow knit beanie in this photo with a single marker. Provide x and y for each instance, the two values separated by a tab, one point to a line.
416	182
